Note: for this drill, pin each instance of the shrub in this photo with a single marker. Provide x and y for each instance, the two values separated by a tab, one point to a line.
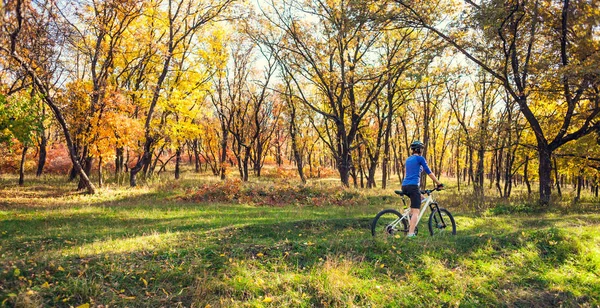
269	194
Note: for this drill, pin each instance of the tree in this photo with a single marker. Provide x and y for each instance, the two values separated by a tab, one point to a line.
400	53
43	135
265	111
228	84
330	49
186	90
96	38
18	121
291	114
30	37
239	103
478	138
541	50
184	19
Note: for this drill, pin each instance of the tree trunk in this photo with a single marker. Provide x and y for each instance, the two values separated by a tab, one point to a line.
196	155
311	160
87	168
42	156
344	171
223	157
126	162
278	152
497	174
189	152
361	170
509	177
159	153
457	164
177	162
556	177
119	160
426	120
296	152
495	169
478	182
508	181
344	164
298	160
237	151
371	178
386	150
579	184
354	175
259	158
72	173
145	160
470	178
245	165
545	171
100	180
22	167
526	175
384	164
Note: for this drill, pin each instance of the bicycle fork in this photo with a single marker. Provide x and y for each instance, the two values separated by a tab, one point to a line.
436	210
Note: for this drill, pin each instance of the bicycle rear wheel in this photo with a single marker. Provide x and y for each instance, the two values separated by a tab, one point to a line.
389	223
441	222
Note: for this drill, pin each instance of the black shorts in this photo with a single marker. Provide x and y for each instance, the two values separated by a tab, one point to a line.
414	193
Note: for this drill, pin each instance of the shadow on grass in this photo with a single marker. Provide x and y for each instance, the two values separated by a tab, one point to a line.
202	247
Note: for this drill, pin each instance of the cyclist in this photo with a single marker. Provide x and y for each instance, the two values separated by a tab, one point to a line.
415	164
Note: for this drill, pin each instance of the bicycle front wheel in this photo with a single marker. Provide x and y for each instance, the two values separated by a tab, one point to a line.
441	222
389	223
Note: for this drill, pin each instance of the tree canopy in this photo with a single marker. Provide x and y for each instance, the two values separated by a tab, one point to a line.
495	89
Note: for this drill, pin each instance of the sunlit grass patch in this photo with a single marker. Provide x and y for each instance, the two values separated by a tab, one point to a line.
330	282
335	282
48	195
154	241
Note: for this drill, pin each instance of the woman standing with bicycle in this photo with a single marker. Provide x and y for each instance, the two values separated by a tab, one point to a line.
415	164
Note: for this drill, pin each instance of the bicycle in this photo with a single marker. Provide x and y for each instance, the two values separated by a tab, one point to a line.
392	223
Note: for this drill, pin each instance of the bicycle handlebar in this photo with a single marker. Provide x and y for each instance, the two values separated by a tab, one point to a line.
423	192
429	191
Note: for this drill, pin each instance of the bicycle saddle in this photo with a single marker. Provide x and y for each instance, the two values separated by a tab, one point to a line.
399	192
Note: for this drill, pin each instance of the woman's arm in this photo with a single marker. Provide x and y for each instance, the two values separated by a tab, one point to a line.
429	172
435	180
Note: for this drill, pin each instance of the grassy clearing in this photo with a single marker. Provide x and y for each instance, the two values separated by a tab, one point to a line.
146	247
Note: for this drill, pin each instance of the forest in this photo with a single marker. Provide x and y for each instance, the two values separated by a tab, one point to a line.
504	91
228	153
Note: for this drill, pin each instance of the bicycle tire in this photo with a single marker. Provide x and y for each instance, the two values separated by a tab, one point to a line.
385	229
441	217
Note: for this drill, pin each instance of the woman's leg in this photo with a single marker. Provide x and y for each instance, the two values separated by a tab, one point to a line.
415	204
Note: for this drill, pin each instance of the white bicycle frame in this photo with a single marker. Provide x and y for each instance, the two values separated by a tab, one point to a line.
427	200
406	214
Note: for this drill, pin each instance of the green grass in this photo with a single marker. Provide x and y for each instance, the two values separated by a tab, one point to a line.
145	247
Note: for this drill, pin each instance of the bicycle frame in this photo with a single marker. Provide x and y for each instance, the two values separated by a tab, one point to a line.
429	203
429	200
